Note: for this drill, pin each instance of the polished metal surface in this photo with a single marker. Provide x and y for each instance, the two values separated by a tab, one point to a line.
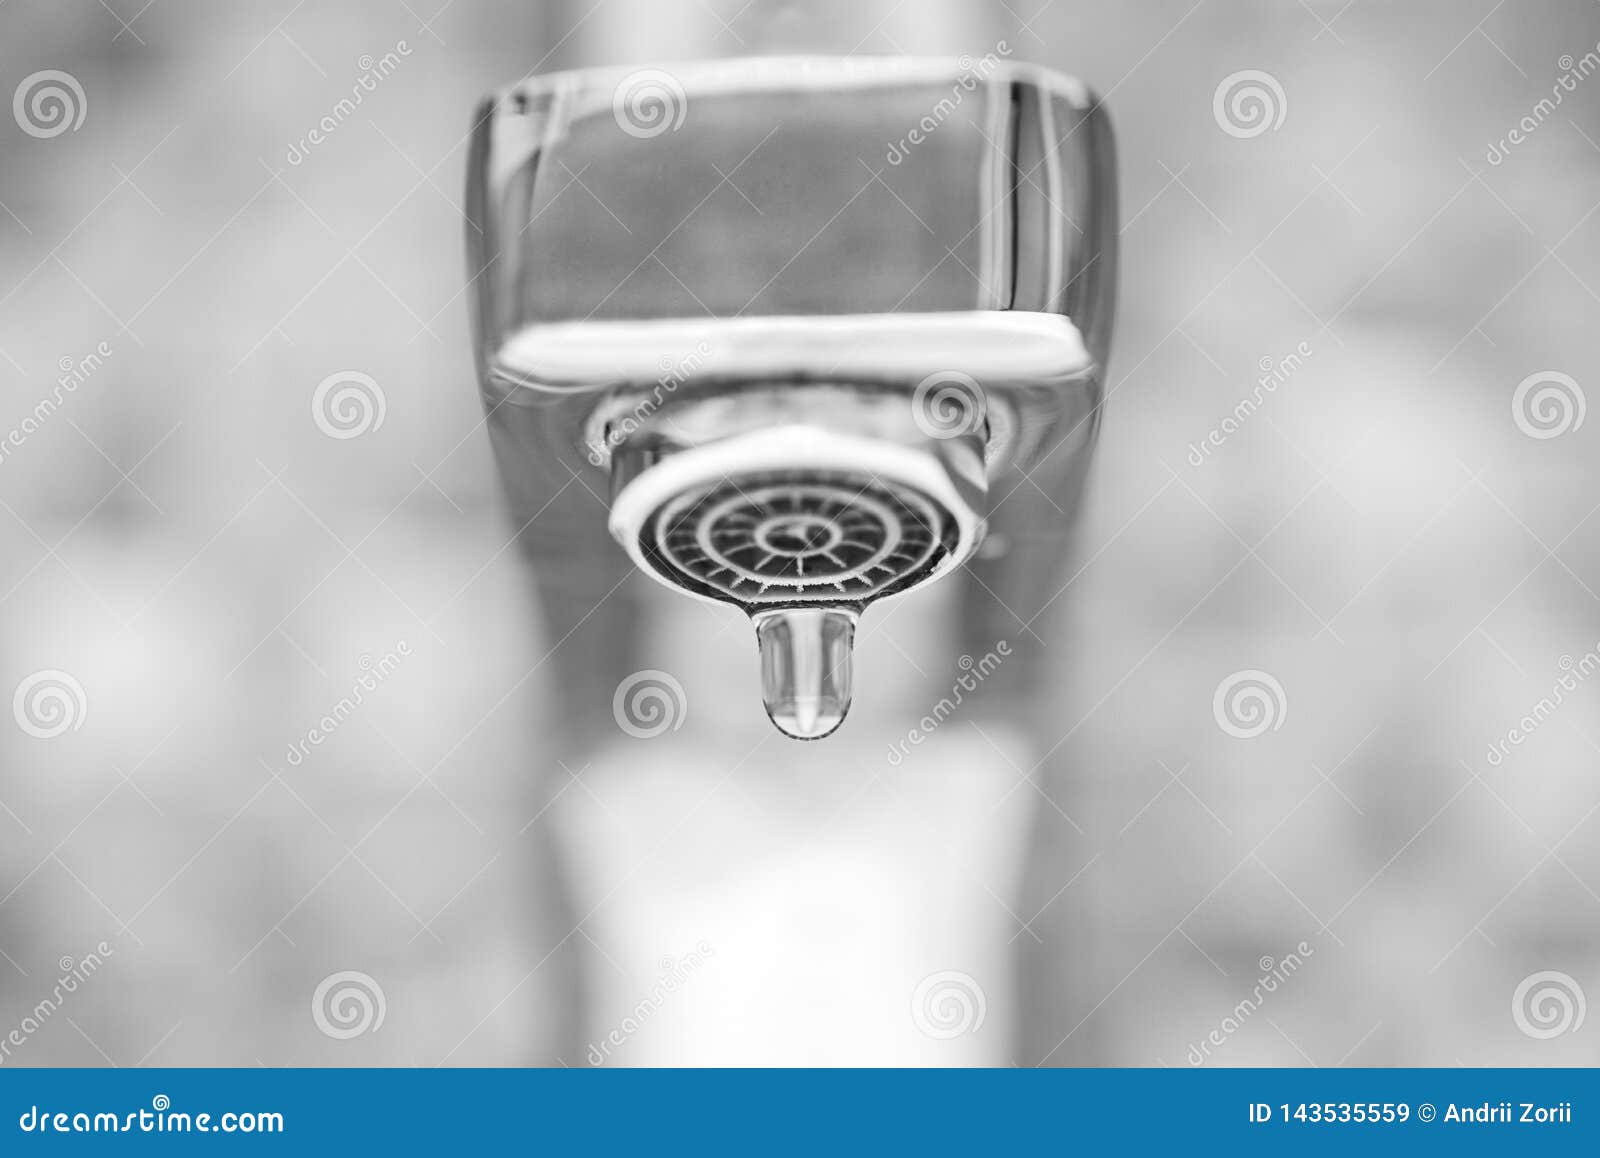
797	389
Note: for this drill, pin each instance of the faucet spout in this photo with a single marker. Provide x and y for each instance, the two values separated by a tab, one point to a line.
804	413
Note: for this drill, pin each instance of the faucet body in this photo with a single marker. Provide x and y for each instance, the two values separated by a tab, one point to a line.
803	332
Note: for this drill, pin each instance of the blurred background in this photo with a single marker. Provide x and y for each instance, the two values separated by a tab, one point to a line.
1387	852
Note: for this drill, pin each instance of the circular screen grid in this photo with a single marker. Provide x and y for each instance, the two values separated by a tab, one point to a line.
798	537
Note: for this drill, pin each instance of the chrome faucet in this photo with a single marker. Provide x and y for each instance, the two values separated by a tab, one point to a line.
804	333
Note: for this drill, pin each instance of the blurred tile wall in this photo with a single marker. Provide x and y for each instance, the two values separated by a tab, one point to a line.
1395	535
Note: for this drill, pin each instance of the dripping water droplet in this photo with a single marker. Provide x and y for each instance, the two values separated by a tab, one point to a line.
806	657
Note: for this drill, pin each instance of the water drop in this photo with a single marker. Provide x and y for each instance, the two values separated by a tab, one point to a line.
806	667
